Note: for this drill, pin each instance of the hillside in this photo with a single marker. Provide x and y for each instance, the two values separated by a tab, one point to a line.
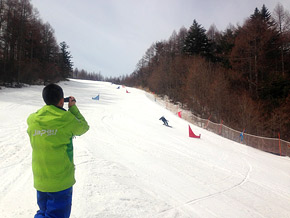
130	165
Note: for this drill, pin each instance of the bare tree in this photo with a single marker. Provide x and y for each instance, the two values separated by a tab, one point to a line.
212	32
282	19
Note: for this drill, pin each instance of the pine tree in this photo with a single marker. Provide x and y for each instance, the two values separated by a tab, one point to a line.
256	15
65	63
265	14
196	41
262	15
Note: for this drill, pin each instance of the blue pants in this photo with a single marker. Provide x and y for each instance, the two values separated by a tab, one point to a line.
54	204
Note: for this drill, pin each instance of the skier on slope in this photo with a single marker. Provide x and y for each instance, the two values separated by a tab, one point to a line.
51	130
165	122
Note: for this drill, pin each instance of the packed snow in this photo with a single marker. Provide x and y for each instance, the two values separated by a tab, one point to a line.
130	165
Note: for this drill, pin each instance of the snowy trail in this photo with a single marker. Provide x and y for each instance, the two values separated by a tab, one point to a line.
129	165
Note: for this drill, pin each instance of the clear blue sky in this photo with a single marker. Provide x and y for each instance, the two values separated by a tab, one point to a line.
111	36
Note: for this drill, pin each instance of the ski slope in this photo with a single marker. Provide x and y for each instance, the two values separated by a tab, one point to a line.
130	165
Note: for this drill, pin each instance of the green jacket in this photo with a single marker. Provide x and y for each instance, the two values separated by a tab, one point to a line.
51	130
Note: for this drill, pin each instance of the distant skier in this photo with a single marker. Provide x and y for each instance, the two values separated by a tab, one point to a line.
165	122
242	136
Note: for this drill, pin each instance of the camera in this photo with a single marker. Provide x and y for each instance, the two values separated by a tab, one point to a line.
67	99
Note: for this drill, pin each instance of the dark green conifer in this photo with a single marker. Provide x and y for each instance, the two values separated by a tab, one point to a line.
196	41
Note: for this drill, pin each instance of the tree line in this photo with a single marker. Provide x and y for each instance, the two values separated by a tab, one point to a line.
29	52
240	76
83	74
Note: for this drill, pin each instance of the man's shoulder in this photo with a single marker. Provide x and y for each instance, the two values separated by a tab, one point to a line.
50	112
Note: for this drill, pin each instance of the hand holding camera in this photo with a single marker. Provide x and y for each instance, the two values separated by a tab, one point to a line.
71	101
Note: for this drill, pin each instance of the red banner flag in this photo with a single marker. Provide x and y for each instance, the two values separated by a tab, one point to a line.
191	134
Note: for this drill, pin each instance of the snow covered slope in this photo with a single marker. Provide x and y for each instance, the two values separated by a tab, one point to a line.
130	165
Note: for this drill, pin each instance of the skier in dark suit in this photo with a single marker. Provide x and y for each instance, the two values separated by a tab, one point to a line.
165	122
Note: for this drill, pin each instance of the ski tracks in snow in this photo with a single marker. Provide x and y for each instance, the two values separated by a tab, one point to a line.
129	165
15	161
244	179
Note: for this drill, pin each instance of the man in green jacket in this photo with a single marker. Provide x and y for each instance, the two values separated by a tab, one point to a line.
51	130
